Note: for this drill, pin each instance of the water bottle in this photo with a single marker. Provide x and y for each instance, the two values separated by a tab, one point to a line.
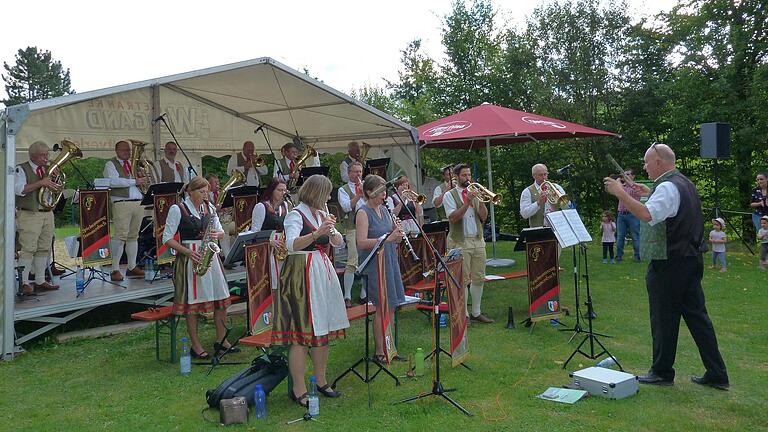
419	366
259	402
313	401
149	270
443	320
606	362
79	280
186	358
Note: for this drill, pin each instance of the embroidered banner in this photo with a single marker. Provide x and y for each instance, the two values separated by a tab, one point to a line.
163	202
257	276
543	279
242	211
384	311
457	312
94	227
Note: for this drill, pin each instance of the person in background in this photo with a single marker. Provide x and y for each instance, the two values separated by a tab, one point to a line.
717	238
762	237
608	230
672	239
409	224
429	184
533	200
350	200
759	199
170	170
285	167
626	221
353	155
245	162
439	192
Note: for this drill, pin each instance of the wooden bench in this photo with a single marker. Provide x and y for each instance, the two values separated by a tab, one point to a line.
163	317
426	286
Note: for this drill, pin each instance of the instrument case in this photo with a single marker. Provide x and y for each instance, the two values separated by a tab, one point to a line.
606	383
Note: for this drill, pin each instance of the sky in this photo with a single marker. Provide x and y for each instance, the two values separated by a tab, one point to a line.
346	44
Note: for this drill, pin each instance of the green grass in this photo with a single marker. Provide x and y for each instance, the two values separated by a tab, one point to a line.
115	384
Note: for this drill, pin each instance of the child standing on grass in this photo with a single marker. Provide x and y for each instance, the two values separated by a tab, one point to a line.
717	239
608	228
762	236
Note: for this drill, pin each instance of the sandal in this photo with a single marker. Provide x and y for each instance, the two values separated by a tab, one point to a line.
328	391
202	356
380	358
301	400
221	348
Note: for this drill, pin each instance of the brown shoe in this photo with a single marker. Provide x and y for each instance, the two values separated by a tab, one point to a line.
481	319
27	289
135	272
116	276
57	271
45	286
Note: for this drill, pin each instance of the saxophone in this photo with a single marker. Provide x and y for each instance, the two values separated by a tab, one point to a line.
209	248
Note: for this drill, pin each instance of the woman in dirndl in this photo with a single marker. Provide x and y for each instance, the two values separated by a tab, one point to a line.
372	221
269	215
195	294
309	306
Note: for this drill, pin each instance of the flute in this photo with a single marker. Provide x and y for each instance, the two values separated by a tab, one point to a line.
396	223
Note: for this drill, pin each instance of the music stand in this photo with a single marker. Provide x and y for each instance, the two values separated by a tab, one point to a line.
92	272
306	172
437	226
229	198
237	251
159	188
532	235
377	166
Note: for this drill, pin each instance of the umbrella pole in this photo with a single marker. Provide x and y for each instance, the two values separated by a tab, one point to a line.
493	262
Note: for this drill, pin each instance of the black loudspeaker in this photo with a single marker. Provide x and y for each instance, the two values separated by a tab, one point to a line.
715	140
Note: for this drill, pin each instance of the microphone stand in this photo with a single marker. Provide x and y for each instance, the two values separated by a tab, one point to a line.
190	169
269	146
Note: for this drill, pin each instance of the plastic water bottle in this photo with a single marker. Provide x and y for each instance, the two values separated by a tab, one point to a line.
149	270
606	362
185	362
259	402
313	401
443	320
79	280
419	366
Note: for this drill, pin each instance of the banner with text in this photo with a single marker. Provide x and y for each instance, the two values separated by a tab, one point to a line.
94	227
163	202
259	287
543	279
457	310
242	211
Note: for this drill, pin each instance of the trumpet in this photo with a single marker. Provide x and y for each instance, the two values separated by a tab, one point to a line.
554	197
258	161
483	194
414	196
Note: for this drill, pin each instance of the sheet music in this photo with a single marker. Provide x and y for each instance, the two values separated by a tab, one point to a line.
376	247
562	229
577	225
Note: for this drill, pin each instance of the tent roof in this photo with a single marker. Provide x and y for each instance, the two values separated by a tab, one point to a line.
469	129
262	92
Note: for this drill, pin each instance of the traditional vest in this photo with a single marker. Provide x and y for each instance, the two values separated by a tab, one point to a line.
679	236
404	215
284	167
321	243
29	201
537	219
168	172
271	220
349	217
121	192
456	229
190	227
349	160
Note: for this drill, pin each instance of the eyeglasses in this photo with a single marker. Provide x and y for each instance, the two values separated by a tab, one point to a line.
653	146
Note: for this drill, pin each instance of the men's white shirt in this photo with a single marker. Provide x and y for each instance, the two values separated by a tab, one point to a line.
663	203
450	205
344	168
345	201
174	218
278	170
252	175
178	177
115	181
20	179
529	207
430	184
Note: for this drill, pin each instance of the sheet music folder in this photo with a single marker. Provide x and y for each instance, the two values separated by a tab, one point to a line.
239	191
160	188
568	227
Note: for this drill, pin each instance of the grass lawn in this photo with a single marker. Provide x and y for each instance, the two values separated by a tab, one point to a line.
115	384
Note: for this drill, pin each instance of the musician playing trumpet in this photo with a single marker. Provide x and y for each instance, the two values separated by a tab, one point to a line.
439	193
466	215
533	200
286	168
194	294
350	200
409	224
245	162
353	155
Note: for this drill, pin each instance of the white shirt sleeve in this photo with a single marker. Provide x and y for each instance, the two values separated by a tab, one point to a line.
257	217
449	204
292	224
232	164
115	180
664	202
345	201
216	222
527	208
437	194
262	170
184	174
171	223
344	168
19	181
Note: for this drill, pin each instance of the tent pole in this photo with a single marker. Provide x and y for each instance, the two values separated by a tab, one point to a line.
493	262
9	283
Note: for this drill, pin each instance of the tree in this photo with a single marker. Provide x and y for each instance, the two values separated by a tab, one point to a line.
35	76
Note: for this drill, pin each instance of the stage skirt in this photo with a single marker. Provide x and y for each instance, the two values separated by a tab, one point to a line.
193	294
309	306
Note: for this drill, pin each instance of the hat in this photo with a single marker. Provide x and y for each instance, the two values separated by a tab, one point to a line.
720	221
765	218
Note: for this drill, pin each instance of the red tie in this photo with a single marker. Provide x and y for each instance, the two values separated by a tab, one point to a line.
178	167
291	166
127	167
464	195
215	196
357	188
40	172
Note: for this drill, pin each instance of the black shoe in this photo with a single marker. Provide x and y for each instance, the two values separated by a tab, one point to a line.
363	300
705	381
301	400
328	391
202	356
221	348
654	379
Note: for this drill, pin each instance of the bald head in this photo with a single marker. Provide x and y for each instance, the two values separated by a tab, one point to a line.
659	158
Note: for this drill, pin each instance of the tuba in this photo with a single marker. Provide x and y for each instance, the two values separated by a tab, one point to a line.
209	249
309	152
483	194
48	197
140	166
554	197
364	152
235	178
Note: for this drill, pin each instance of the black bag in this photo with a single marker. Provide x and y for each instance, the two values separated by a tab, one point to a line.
268	371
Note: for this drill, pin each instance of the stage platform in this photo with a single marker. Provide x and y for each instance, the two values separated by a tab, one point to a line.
48	306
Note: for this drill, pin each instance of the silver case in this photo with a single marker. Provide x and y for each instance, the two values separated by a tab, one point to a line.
606	383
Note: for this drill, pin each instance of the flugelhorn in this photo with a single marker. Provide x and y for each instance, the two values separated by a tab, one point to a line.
413	196
49	197
258	161
554	196
483	194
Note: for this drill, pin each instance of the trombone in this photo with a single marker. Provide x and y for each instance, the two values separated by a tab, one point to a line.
483	194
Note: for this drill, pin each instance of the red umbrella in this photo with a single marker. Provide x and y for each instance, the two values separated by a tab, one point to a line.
487	125
470	129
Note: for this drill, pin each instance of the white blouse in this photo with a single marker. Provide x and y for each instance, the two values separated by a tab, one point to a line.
294	223
174	218
259	214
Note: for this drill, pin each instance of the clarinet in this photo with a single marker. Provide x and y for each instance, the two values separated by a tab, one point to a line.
396	223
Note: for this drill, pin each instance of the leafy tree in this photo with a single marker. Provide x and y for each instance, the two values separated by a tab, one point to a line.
35	76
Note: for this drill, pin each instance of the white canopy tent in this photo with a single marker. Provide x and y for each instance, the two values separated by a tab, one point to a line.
212	112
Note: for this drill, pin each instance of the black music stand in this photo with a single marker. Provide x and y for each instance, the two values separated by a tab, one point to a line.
367	353
93	274
229	198
306	172
377	166
160	188
534	234
236	253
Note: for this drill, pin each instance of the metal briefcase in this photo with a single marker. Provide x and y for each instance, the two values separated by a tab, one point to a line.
233	411
606	383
